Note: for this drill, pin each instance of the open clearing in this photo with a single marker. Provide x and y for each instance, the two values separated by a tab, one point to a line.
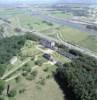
60	14
38	81
33	90
77	37
30	22
74	36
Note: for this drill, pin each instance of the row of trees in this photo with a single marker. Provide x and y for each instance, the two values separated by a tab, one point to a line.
81	76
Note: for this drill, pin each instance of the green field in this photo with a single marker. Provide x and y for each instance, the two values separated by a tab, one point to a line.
60	58
74	36
29	48
30	22
60	14
6	13
32	89
77	37
22	19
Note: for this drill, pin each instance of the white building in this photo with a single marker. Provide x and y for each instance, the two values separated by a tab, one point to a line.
48	44
13	60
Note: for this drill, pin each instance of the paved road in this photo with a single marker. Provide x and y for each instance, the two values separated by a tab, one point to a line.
59	40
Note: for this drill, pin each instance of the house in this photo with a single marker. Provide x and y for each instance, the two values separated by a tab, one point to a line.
47	43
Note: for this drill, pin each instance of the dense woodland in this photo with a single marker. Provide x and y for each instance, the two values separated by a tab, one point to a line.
10	47
81	77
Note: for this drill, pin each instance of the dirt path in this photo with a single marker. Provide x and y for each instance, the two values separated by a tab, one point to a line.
15	69
17	75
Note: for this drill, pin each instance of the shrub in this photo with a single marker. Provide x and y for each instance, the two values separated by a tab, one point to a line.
17	79
2	86
1	98
32	75
38	62
46	69
42	81
22	90
12	93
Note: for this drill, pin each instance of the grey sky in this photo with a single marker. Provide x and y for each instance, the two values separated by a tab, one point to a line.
49	1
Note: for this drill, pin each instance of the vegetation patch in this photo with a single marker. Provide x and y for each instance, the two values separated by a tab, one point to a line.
61	14
80	76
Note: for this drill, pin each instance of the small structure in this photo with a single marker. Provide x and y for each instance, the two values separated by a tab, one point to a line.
47	43
13	60
48	57
59	64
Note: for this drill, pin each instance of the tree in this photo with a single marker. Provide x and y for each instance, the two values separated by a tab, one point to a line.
2	86
18	30
80	76
12	93
2	69
38	62
1	98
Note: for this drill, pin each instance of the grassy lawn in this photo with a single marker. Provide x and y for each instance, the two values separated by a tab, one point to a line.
63	15
71	34
60	58
51	32
74	36
43	87
41	58
29	22
30	49
10	66
80	38
90	42
49	91
49	68
6	13
68	34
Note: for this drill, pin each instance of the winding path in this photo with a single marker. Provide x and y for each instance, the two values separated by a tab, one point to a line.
15	69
